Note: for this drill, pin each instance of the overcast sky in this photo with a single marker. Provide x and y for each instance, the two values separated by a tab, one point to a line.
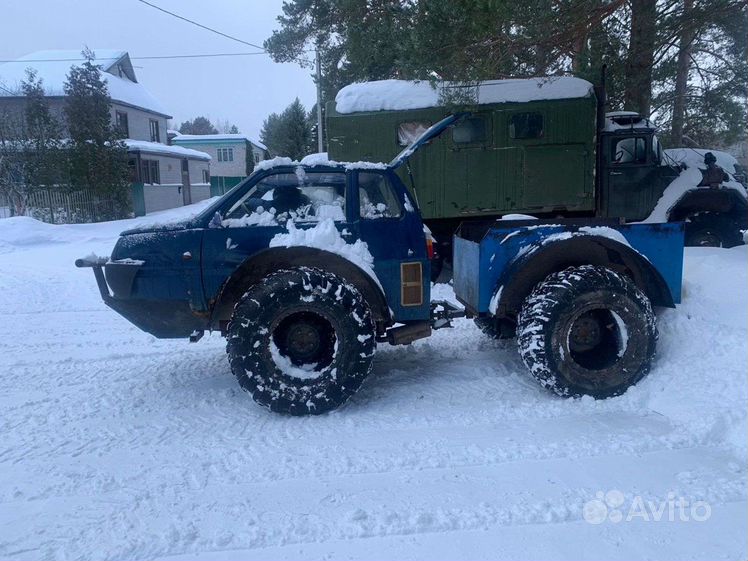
243	90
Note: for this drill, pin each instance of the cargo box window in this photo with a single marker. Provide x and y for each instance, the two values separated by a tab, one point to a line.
630	150
526	125
408	132
470	131
377	198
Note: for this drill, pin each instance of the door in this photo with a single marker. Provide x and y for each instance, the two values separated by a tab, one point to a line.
186	187
470	184
630	170
262	209
392	230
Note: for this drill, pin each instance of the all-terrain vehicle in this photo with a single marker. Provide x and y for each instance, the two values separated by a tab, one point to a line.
306	266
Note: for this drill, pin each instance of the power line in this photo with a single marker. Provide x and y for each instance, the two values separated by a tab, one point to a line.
201	25
153	57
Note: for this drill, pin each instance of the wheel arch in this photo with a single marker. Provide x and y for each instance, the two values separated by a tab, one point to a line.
528	270
259	265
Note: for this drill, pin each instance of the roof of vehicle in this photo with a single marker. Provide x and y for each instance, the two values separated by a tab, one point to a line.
398	95
316	160
616	121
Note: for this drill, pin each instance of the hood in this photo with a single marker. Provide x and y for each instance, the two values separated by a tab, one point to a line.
151	228
432	132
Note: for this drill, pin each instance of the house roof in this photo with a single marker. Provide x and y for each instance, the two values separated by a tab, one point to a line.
53	66
209	138
165	149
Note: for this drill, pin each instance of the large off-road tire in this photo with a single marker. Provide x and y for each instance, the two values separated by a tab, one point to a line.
301	341
709	229
587	331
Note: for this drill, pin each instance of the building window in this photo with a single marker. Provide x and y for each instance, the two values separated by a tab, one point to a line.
526	125
155	136
206	176
225	154
149	172
120	121
257	158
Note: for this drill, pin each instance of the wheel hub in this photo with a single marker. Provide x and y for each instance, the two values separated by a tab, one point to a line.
305	338
586	333
302	341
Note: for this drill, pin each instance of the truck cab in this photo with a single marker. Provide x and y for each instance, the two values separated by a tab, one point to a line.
632	172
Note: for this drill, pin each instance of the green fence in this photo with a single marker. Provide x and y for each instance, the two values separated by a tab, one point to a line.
138	199
221	184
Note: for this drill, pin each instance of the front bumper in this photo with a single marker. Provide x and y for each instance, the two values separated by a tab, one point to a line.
165	319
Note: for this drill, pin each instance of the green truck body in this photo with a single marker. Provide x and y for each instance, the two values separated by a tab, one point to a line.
559	157
492	172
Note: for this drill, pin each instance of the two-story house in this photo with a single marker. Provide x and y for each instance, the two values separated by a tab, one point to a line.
233	156
163	176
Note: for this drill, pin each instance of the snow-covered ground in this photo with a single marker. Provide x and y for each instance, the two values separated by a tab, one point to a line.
115	445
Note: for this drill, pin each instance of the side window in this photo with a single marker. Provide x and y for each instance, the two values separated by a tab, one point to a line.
526	125
470	131
377	198
408	132
303	196
630	150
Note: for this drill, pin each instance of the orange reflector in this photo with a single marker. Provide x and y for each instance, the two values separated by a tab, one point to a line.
411	282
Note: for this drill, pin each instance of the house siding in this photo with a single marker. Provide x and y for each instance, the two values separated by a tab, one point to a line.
168	194
138	122
242	151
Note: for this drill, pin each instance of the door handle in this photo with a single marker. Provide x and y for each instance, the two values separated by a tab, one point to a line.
616	173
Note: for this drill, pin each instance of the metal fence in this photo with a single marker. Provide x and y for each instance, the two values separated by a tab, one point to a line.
62	207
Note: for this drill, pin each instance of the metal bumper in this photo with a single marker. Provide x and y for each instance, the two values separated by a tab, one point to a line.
161	318
97	265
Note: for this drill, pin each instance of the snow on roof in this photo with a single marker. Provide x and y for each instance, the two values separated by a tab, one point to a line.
165	150
318	159
217	137
398	95
53	67
626	120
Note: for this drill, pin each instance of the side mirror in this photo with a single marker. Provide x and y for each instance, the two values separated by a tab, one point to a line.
216	221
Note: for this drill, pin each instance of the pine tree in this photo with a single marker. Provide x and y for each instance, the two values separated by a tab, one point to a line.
98	159
199	125
31	156
288	133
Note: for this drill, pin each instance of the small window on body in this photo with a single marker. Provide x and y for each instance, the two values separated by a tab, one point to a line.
408	132
377	197
470	131
526	125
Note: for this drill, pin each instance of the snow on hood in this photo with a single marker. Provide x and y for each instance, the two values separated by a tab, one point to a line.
397	95
689	179
694	157
325	236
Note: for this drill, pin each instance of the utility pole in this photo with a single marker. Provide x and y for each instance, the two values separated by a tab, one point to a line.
320	143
